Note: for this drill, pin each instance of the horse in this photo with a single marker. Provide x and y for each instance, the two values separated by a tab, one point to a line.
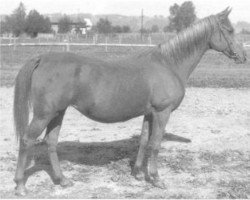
150	84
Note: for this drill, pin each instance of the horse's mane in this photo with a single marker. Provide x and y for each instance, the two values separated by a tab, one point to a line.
187	41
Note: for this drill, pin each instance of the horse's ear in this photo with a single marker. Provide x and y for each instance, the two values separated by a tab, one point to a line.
224	14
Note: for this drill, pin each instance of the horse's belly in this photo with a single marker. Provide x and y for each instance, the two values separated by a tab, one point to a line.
110	110
112	114
114	97
111	118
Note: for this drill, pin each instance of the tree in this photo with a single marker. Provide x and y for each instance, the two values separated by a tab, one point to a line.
167	29
5	26
144	31
64	24
16	21
181	16
126	29
104	26
93	30
154	29
80	25
36	23
117	29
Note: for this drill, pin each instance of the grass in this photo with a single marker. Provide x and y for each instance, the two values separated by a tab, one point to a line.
185	165
220	78
233	189
214	70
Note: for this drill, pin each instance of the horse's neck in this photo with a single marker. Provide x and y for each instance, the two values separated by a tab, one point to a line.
184	51
187	66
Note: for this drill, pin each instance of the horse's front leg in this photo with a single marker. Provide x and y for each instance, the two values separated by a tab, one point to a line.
137	171
160	120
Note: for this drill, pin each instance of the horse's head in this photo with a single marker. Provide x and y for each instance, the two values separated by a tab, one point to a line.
223	38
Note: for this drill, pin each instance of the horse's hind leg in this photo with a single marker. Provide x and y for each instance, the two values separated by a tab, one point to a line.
52	133
33	131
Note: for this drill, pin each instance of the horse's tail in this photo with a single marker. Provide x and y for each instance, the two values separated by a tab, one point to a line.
22	97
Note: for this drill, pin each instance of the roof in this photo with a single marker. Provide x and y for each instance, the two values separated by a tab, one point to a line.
87	20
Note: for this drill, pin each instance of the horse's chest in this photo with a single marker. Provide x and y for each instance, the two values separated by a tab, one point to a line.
168	91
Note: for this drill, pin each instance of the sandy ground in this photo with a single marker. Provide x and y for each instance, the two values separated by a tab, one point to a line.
98	157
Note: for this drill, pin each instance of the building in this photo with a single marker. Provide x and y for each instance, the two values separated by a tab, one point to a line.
77	27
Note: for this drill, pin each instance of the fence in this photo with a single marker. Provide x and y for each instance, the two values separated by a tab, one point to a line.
118	40
128	38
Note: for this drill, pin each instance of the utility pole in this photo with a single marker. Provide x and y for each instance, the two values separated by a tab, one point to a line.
141	24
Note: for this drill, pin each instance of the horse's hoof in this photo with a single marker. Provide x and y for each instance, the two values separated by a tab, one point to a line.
156	181
159	184
21	191
66	183
138	174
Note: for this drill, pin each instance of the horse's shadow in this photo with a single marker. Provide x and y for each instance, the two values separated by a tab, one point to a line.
92	154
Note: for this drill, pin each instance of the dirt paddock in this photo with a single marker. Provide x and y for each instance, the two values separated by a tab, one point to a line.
98	157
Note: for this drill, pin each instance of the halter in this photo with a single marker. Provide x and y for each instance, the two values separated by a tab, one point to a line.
233	54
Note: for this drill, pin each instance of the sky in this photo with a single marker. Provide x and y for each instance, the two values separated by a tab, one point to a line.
240	12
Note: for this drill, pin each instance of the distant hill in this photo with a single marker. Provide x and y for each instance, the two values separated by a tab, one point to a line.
160	21
134	21
55	17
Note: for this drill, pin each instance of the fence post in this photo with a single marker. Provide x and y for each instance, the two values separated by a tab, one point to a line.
67	47
150	40
106	46
120	39
14	42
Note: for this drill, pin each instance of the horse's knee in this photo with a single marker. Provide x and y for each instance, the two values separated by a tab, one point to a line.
144	139
28	142
153	149
36	128
51	143
51	148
